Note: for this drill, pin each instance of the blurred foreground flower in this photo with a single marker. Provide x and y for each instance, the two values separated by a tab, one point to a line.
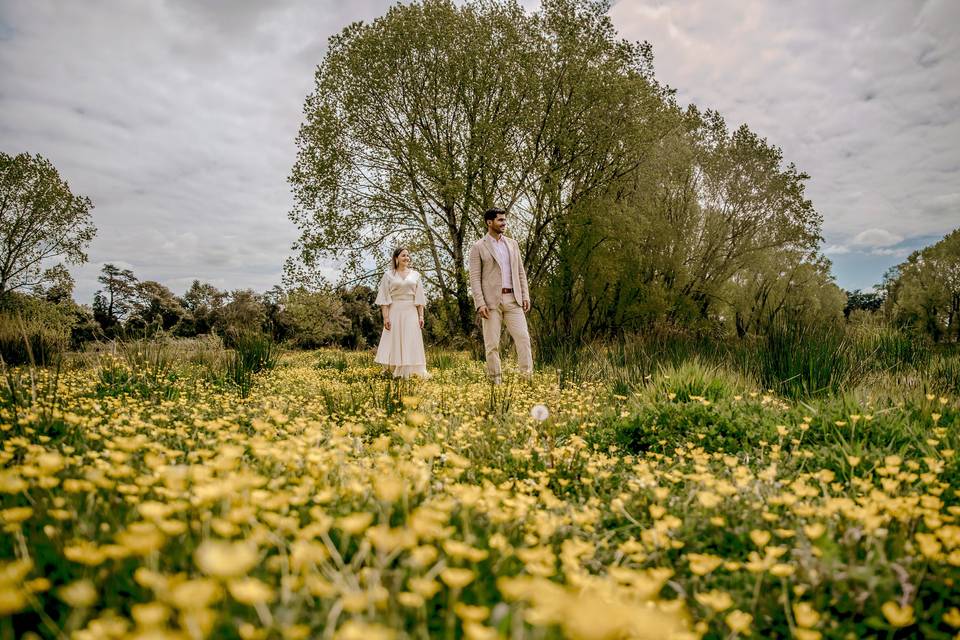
78	594
539	412
896	615
225	559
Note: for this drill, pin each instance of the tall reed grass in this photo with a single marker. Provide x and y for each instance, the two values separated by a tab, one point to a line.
793	359
252	353
26	338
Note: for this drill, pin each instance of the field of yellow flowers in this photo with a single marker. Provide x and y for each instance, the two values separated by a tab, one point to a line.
332	502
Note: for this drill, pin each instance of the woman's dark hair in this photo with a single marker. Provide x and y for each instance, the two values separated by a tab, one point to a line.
396	254
491	214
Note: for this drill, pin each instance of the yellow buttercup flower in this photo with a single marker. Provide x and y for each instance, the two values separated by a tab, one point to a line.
716	600
15	515
952	617
224	559
470	613
702	564
709	499
474	631
198	593
250	591
12	600
898	616
410	599
355	523
356	630
805	614
424	587
760	537
456	578
152	614
739	621
78	594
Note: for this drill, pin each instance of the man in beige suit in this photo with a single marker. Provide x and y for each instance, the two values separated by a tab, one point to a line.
498	283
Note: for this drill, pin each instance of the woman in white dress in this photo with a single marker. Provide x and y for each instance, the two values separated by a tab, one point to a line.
401	300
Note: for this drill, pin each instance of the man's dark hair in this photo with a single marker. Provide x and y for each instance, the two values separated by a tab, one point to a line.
491	214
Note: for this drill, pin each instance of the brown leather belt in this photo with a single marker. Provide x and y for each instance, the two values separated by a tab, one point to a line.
506	290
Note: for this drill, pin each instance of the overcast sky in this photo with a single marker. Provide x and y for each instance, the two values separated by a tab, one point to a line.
177	117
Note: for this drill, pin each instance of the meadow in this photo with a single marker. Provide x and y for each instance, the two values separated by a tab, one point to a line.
156	491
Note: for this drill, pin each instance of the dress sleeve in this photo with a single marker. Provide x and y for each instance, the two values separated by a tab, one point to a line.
383	293
418	297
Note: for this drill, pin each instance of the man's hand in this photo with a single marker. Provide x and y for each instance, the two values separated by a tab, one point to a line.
526	306
484	312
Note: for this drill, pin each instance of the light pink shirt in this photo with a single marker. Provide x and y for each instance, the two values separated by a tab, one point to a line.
503	259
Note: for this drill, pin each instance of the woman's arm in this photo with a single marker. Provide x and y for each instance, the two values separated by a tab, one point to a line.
419	299
384	299
385	310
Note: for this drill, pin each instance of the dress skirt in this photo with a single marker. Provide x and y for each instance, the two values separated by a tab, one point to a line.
401	348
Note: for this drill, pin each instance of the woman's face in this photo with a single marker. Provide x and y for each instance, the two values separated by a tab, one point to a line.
403	260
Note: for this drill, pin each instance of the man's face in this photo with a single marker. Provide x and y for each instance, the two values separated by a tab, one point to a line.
498	224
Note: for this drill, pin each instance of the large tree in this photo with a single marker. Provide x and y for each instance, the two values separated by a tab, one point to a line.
40	220
155	306
703	231
116	299
203	301
924	291
434	112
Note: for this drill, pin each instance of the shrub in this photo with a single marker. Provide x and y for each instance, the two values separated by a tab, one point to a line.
32	330
729	426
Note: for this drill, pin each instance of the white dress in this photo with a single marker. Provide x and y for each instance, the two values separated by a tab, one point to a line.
401	348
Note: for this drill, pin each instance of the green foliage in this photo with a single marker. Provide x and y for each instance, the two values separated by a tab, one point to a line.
156	307
335	360
486	100
316	318
252	353
892	348
442	360
715	235
924	291
141	366
32	330
943	373
113	303
40	220
858	300
728	425
802	359
243	316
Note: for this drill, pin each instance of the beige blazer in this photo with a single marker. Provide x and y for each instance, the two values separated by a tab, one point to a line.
486	282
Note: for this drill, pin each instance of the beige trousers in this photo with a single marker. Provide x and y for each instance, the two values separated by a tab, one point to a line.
511	314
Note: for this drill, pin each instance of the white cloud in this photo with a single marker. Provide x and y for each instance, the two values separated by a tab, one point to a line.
901	252
876	238
836	249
